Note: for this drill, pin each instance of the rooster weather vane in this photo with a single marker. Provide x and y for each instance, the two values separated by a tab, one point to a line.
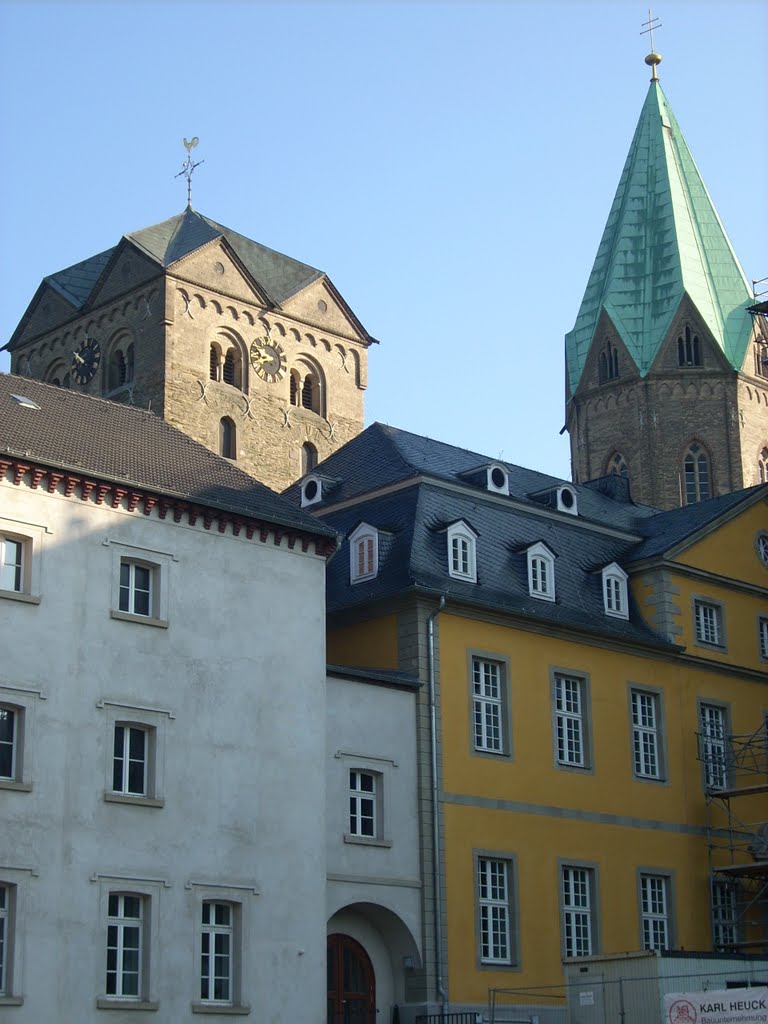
188	167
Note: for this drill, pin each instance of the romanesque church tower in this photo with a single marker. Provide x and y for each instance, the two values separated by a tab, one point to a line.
250	352
667	366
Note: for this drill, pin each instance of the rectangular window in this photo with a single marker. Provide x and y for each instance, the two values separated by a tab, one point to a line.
11	564
487	705
4	937
709	624
570	721
654	911
762	627
646	734
578	911
714	751
8	742
362	804
723	915
124	945
135	588
493	890
129	762
216	960
460	556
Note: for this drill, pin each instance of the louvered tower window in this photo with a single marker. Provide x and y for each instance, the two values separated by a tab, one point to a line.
688	349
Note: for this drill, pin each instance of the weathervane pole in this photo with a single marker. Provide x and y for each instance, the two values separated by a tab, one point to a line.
188	168
653	59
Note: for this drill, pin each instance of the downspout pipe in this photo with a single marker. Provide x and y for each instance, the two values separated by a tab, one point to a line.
435	806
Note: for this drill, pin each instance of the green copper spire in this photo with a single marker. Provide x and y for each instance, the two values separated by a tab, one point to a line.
663	240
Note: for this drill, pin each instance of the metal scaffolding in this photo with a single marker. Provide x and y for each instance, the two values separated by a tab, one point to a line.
736	786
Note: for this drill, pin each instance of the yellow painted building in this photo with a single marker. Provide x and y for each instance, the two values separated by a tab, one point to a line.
600	674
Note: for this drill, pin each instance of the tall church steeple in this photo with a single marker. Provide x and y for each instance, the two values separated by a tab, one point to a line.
662	347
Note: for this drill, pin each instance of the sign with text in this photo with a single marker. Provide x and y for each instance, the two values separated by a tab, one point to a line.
728	1006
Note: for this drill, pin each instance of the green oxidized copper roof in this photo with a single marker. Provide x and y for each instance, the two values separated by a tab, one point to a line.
663	239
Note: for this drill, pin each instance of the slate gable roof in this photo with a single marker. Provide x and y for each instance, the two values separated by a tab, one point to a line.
128	445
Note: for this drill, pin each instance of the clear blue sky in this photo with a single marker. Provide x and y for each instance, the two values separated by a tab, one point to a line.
449	165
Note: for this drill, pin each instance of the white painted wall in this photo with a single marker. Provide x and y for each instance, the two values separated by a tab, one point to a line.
238	677
374	891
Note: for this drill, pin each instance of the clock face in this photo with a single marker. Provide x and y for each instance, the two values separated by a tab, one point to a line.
268	359
86	361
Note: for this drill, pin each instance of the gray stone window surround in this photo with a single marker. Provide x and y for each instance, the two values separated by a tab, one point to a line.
149	891
159	563
698	600
16	881
588	768
661	734
592	868
237	896
380	768
510	859
507	746
30	536
668	875
23	702
154	722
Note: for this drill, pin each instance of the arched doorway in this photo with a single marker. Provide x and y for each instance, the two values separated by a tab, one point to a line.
351	984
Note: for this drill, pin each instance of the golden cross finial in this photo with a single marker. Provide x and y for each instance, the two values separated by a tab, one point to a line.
653	59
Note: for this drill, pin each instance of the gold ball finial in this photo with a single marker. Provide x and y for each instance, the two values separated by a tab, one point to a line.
653	60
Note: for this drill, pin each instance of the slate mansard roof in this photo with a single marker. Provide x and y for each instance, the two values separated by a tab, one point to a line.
129	446
411	488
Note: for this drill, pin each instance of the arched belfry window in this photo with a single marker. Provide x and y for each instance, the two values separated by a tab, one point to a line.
120	367
762	465
129	364
295	387
214	364
226	362
308	458
609	363
688	349
227	438
761	358
307	388
229	371
310	393
617	466
697	475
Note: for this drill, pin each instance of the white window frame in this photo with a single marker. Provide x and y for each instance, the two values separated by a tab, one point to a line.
11	739
646	720
380	769
489	690
571	720
119	924
714	731
495	901
364	814
709	622
6	937
724	924
154	723
363	540
14	882
23	703
541	572
655	905
211	931
615	594
462	552
578	910
159	564
124	735
30	537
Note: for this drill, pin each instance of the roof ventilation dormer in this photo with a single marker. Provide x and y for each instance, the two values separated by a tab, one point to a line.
311	490
497	478
567	500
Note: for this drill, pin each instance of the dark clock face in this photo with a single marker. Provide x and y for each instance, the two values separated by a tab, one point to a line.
86	361
268	359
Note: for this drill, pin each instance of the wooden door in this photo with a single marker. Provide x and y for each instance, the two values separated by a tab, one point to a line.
351	983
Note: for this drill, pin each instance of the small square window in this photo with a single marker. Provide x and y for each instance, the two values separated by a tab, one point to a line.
709	623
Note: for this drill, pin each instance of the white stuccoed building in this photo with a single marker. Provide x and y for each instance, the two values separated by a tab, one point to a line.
162	725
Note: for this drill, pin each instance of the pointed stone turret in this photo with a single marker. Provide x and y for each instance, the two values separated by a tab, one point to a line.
663	335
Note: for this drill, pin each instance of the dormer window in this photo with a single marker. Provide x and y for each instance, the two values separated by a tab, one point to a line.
566	500
615	598
541	572
363	553
461	552
497	479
